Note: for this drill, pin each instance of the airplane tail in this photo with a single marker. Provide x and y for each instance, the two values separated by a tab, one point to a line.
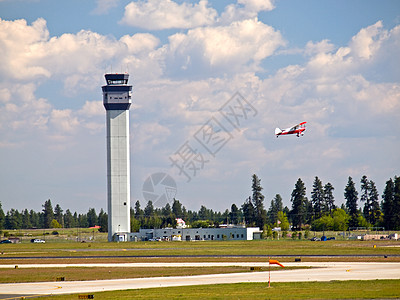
278	131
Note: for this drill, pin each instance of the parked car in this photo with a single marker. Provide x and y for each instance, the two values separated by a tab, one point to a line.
5	242
37	241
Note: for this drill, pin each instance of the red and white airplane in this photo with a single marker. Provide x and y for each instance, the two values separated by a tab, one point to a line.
296	129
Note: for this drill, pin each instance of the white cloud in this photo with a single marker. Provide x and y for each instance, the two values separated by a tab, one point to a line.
323	46
165	14
258	5
64	121
370	52
140	42
245	9
367	41
142	57
77	59
18	47
5	95
150	136
238	47
92	108
103	6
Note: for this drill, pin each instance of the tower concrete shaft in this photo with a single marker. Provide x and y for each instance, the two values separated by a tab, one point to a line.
117	100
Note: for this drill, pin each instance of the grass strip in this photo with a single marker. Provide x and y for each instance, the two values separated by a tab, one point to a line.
357	289
260	247
100	273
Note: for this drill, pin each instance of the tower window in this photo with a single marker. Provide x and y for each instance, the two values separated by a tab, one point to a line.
122	81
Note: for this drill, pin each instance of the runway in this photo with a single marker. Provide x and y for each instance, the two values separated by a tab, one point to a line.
320	272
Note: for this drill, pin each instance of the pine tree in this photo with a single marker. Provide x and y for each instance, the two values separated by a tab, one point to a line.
26	222
278	202
58	215
365	190
138	211
69	221
48	214
13	219
309	211
275	207
177	209
2	218
351	196
234	215
298	199
166	210
396	204
317	197
387	205
34	218
82	221
92	217
204	213
103	221
149	210
258	202
329	199
375	211
185	214
248	212
76	219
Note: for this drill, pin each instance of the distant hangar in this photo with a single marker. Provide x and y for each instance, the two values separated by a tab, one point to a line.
196	234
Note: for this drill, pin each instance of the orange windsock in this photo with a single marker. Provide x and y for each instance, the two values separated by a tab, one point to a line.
275	262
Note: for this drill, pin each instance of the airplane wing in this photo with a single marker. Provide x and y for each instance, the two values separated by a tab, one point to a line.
298	126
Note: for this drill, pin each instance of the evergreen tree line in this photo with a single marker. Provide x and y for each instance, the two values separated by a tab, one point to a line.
151	217
49	218
317	213
320	212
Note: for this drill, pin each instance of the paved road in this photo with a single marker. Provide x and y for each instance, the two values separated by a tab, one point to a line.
322	272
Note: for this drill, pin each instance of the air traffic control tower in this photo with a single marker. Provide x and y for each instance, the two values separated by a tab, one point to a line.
117	100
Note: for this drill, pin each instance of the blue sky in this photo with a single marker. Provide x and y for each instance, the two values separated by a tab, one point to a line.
334	64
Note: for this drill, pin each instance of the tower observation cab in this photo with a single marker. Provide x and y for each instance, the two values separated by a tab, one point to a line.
117	93
117	101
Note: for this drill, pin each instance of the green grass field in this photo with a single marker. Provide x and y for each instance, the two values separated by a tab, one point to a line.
103	273
61	250
254	248
377	289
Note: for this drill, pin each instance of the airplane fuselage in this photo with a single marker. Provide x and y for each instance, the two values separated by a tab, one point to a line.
298	130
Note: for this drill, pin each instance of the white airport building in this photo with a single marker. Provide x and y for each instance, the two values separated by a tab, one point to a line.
197	234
